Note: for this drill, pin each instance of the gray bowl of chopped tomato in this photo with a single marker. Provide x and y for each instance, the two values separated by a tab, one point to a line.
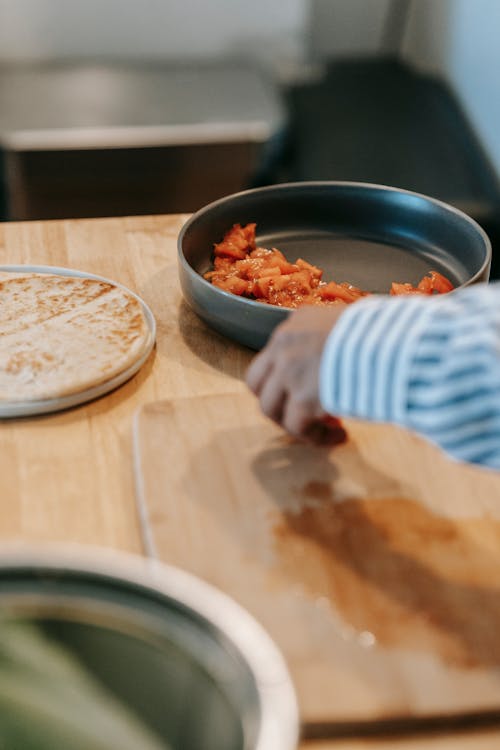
247	260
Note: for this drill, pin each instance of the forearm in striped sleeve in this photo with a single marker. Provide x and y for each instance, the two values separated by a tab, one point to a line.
430	364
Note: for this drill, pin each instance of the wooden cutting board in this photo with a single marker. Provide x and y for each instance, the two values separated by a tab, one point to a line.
375	565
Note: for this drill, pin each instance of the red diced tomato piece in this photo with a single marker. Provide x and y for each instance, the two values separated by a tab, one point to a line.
237	243
399	289
232	284
440	283
265	274
316	272
425	285
343	292
262	286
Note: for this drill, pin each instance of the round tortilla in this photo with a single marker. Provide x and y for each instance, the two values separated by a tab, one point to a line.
61	335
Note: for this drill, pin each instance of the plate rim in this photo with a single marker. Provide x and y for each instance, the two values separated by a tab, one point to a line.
13	409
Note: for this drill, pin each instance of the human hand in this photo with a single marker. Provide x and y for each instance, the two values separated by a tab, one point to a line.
285	375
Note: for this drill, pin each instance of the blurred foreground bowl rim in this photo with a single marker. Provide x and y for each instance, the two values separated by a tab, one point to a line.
278	709
252	304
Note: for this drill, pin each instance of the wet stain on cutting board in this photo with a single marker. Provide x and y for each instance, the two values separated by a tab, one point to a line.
393	569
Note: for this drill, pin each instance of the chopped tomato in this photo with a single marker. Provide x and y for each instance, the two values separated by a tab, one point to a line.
344	292
261	286
316	273
433	283
397	289
439	283
237	242
327	431
425	285
232	284
243	268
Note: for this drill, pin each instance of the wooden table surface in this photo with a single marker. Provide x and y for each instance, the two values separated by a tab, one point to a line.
69	476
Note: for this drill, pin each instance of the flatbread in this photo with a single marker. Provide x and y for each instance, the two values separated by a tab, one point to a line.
61	335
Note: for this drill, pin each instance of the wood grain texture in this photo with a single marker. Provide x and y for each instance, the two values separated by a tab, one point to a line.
371	565
68	476
475	740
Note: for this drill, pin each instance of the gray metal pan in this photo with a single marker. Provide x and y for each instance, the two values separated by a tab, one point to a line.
368	235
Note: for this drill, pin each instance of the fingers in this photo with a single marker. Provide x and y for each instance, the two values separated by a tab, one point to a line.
261	367
312	426
259	372
284	376
298	416
264	380
273	398
276	402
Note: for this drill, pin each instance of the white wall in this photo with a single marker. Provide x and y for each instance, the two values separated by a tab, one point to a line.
167	29
345	28
266	30
460	40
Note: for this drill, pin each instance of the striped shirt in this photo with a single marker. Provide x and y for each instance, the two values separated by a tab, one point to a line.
429	364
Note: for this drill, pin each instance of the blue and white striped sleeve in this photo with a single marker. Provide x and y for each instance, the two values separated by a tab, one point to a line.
429	364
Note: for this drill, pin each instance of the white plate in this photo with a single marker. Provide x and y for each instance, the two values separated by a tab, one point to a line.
45	406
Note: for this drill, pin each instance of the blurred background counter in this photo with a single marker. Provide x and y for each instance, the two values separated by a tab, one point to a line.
113	108
116	139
